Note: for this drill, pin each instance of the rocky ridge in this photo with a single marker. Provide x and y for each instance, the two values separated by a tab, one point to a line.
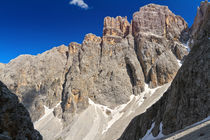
187	100
107	70
15	121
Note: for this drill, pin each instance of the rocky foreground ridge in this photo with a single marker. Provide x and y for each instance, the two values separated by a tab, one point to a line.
15	121
127	60
187	100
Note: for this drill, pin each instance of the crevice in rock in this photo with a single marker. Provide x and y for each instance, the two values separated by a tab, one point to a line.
79	59
63	91
101	51
63	100
138	57
131	73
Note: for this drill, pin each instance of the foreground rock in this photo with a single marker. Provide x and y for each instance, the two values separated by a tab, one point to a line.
187	100
15	121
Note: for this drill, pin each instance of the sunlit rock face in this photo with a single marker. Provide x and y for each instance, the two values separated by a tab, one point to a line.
159	35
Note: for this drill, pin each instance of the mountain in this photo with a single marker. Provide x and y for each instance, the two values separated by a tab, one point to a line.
94	89
15	121
187	100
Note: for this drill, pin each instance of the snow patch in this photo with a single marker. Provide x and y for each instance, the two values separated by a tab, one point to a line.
118	111
149	135
187	45
179	62
160	135
147	90
103	108
117	114
47	112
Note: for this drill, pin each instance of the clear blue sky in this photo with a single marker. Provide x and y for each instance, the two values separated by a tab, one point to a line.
34	26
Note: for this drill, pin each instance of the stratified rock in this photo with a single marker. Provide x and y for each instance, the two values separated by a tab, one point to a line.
15	121
158	31
187	101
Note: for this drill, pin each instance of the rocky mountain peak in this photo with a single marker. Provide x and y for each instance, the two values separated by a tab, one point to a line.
118	26
91	38
158	35
158	20
74	47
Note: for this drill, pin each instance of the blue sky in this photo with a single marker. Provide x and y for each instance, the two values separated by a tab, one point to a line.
34	26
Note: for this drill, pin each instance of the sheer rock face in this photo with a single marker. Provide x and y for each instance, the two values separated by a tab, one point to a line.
106	73
158	32
15	121
107	69
187	100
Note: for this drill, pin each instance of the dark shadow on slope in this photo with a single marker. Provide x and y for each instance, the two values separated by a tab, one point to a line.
15	121
202	133
130	74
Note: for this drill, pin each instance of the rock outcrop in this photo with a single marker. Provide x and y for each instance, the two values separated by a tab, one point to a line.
187	100
15	121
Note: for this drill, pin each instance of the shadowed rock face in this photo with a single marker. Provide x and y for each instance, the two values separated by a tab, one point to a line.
107	69
15	121
187	100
